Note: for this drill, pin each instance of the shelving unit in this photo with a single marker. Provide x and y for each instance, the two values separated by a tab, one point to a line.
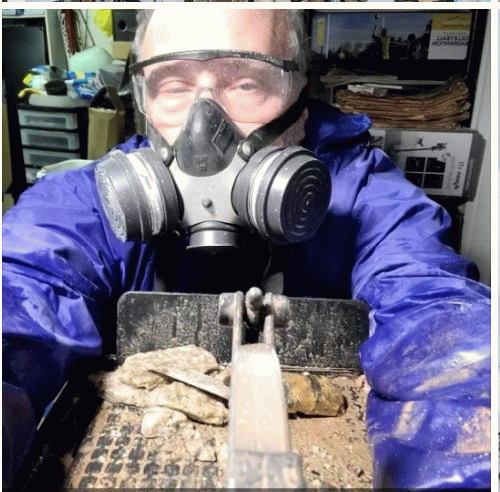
471	214
51	135
27	41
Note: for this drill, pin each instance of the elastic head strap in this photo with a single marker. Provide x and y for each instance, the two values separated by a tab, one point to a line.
266	134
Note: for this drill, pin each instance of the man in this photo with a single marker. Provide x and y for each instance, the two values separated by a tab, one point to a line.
382	41
382	241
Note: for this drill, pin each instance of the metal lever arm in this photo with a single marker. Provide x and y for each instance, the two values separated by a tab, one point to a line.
259	449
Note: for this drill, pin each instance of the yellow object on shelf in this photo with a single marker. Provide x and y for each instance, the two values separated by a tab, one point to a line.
103	19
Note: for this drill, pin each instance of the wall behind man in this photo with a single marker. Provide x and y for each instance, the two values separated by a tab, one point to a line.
476	234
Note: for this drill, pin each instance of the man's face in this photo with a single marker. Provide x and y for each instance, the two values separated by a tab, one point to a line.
261	31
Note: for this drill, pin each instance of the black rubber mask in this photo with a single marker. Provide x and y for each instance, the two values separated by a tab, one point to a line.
213	183
208	141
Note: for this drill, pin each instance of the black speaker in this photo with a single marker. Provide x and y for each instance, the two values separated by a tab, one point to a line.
124	24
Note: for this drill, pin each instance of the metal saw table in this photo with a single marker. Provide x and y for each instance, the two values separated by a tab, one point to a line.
99	445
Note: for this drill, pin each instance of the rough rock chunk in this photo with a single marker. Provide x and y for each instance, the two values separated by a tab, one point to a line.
133	383
194	447
313	395
158	420
207	453
196	404
135	370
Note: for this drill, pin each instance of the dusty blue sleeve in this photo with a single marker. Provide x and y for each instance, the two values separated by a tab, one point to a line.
429	313
428	356
62	273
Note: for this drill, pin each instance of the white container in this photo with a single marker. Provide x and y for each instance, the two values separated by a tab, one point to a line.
31	174
90	60
48	119
49	139
62	166
49	101
40	158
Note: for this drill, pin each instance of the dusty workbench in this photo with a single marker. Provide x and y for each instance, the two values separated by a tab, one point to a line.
113	454
88	443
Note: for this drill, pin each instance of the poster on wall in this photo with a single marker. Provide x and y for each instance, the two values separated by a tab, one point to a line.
392	36
450	34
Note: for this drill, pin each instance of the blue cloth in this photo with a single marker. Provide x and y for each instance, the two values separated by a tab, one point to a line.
383	241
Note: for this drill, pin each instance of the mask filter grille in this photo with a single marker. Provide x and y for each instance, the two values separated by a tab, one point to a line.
304	202
283	193
111	204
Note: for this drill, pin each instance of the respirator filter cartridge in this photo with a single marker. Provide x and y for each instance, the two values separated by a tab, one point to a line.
284	193
138	194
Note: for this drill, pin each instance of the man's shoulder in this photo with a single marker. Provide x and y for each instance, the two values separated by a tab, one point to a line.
133	143
327	124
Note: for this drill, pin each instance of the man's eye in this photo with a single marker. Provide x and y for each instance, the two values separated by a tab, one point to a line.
175	87
246	85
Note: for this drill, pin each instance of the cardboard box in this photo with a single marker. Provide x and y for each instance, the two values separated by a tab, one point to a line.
120	49
106	125
442	163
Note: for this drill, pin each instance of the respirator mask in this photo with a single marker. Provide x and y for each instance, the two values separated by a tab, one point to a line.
214	182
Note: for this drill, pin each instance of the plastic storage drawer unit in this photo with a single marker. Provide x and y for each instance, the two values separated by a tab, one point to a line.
47	119
49	139
40	158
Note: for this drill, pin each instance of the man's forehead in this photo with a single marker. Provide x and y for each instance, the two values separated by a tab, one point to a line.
263	31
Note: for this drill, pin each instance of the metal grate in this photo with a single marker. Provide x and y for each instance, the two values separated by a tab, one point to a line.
115	455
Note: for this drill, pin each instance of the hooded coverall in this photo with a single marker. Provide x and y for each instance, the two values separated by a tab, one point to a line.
427	359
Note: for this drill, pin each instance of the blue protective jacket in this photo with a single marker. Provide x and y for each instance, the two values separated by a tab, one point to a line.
383	241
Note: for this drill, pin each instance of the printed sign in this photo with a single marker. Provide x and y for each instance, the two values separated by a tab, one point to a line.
450	36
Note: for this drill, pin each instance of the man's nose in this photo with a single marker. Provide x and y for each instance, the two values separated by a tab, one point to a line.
206	92
206	86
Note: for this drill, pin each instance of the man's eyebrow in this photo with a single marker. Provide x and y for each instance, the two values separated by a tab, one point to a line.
238	68
236	63
164	70
187	67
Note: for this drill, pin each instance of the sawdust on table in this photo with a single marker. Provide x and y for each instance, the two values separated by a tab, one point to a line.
335	450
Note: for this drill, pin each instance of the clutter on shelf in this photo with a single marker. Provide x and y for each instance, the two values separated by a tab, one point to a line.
444	107
45	80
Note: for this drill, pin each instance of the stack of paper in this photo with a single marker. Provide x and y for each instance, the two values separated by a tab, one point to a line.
441	108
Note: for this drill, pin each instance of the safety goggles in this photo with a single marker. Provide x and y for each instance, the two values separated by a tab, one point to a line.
250	87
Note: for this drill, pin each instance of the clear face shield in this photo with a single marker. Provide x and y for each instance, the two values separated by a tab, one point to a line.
250	87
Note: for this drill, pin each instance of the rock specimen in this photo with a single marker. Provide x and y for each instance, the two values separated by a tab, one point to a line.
313	395
133	383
